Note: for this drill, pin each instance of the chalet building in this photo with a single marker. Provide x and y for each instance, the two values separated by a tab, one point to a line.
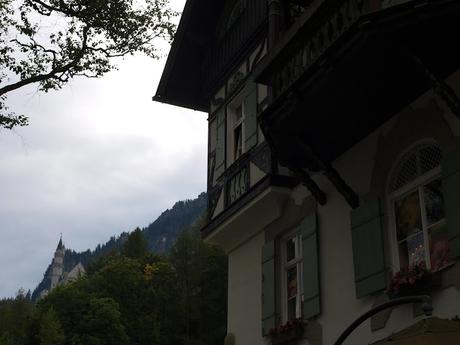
333	162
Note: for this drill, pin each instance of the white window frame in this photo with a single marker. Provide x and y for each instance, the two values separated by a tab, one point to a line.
393	196
232	124
407	189
298	262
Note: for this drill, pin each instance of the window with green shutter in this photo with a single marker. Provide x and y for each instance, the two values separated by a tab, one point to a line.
297	276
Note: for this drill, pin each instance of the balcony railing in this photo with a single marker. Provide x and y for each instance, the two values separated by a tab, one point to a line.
237	181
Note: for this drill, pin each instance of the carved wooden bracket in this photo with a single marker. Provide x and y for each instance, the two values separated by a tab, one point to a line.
328	170
440	87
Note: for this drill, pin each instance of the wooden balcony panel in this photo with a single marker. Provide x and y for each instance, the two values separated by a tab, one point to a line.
350	68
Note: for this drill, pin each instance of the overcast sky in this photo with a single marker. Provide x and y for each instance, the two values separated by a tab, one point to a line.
98	158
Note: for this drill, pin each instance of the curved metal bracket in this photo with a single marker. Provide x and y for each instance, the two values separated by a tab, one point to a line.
427	308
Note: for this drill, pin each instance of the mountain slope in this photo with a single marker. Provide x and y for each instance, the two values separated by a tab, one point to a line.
160	235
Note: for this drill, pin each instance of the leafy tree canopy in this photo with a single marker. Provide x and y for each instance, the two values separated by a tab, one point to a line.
176	298
48	42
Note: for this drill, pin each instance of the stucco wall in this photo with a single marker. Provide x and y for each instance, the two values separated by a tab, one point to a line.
244	286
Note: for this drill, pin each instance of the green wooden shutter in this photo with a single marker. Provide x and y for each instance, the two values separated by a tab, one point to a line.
451	191
250	117
311	291
368	254
220	143
268	287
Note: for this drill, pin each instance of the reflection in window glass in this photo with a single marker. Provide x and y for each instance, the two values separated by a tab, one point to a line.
434	202
403	255
237	142
292	277
292	282
439	247
408	217
291	309
416	249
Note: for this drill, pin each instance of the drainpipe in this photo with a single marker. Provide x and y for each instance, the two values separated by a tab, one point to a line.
274	22
427	308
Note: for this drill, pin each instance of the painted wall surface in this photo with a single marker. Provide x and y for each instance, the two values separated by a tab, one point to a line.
244	286
365	167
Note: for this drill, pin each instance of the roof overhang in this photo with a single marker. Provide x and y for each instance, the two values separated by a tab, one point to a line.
183	76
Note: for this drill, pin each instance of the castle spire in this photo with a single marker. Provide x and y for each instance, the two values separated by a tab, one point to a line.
57	266
60	245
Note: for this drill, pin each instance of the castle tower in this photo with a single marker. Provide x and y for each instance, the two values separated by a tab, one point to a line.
57	267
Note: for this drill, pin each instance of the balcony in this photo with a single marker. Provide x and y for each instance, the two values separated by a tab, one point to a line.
247	178
346	67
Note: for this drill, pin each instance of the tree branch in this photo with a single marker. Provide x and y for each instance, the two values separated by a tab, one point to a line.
54	72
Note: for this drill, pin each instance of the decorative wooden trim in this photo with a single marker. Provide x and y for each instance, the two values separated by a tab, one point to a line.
440	87
327	169
311	185
263	158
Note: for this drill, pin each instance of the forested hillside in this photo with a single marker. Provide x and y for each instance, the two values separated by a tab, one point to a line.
160	236
130	296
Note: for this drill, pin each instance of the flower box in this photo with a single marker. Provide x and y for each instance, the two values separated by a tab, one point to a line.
416	280
287	333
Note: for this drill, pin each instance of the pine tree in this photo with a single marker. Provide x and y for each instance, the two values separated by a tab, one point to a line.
50	331
136	245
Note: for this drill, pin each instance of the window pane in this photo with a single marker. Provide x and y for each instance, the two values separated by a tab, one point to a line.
416	249
290	249
403	255
407	172
408	217
434	201
292	308
237	142
292	282
439	247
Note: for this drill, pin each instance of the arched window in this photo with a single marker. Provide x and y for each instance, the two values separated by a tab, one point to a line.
415	195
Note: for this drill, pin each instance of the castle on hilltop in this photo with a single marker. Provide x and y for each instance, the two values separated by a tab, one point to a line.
57	275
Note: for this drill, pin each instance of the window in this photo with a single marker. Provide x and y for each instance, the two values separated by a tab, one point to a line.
418	209
292	276
238	133
235	128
